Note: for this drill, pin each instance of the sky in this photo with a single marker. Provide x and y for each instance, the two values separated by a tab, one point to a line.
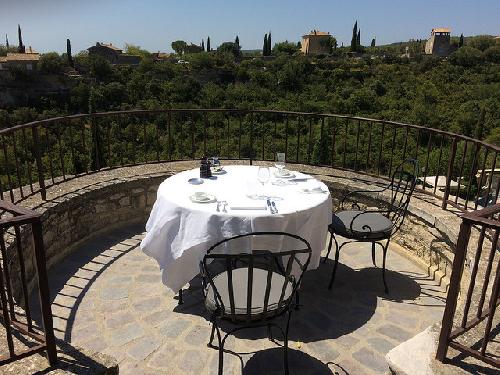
154	24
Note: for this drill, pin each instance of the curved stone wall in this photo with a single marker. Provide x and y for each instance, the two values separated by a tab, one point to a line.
81	208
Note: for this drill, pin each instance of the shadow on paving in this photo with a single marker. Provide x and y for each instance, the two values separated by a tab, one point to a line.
85	259
324	314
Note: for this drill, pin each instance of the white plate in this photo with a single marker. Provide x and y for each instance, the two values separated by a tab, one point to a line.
289	175
195	181
222	171
283	183
209	199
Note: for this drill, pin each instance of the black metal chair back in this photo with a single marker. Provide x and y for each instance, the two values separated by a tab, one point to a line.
402	185
265	299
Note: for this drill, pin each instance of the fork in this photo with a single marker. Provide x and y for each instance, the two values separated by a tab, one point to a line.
274	206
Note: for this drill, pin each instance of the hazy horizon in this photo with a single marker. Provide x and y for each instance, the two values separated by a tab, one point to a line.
153	25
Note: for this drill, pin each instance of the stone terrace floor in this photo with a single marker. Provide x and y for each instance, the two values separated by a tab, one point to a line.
108	297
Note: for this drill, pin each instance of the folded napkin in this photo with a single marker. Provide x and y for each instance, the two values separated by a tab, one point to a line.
314	190
248	205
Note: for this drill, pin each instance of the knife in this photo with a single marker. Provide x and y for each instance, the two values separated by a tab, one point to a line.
269	205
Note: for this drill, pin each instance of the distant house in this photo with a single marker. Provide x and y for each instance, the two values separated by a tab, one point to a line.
113	54
316	42
27	61
439	42
162	56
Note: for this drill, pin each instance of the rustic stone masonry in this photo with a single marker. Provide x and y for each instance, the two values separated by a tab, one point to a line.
83	207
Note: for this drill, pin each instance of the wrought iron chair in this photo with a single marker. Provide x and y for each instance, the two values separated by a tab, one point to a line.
250	289
374	226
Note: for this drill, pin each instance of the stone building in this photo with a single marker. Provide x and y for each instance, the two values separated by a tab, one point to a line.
113	54
27	61
439	42
316	42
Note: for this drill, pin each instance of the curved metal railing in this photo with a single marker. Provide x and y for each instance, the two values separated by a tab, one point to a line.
457	169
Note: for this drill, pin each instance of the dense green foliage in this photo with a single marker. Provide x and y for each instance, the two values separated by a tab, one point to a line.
446	94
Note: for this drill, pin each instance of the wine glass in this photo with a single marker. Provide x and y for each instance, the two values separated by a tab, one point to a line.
263	175
280	162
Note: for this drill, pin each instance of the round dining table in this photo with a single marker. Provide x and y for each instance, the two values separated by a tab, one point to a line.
180	230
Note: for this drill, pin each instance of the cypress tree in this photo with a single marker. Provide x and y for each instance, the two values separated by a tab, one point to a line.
354	38
203	45
20	48
373	42
6	41
208	44
237	41
269	44
264	48
461	41
68	53
358	41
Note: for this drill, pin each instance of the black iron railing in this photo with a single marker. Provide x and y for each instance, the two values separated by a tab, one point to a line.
19	226
481	292
42	153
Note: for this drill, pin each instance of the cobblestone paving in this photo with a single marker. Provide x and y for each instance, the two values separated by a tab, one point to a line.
109	297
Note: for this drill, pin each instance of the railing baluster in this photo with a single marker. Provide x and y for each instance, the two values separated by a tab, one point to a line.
205	125
334	133
298	140
239	136
228	138
438	169
487	274
22	271
18	172
406	142
7	169
84	152
170	136
72	146
429	142
493	305
61	154
357	147
369	147
27	159
275	137
309	147
479	185
379	169
5	310
7	277
449	173
286	136
461	171
472	173
108	138
392	151
346	132
488	192
38	160
251	138
472	283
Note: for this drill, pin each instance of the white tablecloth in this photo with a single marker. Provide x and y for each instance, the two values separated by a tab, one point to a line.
179	232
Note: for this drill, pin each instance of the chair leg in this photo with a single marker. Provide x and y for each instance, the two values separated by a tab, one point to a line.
373	254
285	345
297	300
180	301
210	342
269	332
336	262
221	350
329	248
384	249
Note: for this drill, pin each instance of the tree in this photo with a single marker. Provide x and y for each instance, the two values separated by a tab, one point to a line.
354	39
230	48
237	41
492	54
264	47
286	48
358	40
466	56
68	54
481	42
20	48
208	45
203	45
373	43
132	49
461	41
269	44
50	63
7	41
179	46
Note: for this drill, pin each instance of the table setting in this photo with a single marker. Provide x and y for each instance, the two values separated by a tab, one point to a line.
199	207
